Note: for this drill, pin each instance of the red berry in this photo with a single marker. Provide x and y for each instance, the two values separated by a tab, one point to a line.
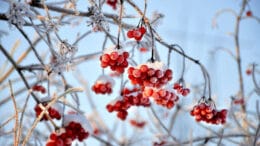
248	71
142	30
114	56
130	34
249	13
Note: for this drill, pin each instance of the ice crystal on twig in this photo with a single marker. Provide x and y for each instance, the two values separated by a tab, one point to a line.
63	58
97	20
18	12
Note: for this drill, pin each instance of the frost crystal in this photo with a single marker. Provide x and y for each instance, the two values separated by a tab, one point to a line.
18	12
67	51
97	20
64	57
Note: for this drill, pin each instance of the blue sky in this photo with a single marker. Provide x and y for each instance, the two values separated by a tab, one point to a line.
187	23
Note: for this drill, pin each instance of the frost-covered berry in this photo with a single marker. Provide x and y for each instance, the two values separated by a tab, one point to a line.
103	85
207	113
76	127
136	33
150	74
115	59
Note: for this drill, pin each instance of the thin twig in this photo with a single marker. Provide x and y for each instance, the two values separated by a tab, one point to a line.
16	125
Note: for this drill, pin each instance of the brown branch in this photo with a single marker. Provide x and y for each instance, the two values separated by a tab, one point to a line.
20	59
19	71
16	125
198	139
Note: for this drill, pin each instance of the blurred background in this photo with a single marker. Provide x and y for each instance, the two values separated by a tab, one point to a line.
189	23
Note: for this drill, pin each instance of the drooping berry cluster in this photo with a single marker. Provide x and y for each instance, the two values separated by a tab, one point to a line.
115	59
54	112
73	129
137	124
129	98
136	33
205	112
150	75
103	85
163	96
112	3
39	88
180	89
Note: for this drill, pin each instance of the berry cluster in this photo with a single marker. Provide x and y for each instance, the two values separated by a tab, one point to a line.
136	33
54	111
205	112
180	89
73	129
129	98
137	124
103	85
39	88
116	60
112	3
149	74
163	96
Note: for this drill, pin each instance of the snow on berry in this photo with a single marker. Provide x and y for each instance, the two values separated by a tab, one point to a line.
136	33
207	113
150	74
77	118
74	128
116	59
103	85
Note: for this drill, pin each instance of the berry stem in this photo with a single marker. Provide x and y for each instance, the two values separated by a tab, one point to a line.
153	49
163	126
183	61
120	24
253	77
